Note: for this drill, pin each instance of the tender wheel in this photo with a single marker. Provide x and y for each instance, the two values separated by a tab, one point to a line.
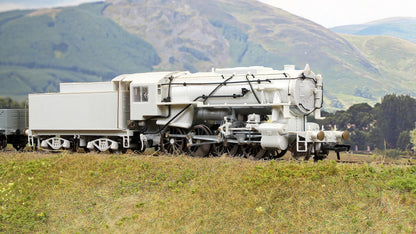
74	145
172	145
124	150
86	150
200	150
117	152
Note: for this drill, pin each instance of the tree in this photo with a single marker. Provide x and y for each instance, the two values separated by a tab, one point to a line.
403	142
361	115
394	115
413	138
8	103
358	138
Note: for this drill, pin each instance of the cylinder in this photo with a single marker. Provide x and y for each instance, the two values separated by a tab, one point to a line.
212	114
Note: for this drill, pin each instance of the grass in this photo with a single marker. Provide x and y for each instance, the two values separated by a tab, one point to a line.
147	194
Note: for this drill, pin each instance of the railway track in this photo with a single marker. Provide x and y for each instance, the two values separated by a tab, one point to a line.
286	158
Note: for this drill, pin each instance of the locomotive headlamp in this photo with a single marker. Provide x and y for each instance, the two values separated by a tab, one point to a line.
345	135
320	136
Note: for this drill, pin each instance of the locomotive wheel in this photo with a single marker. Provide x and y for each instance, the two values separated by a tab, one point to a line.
300	155
201	150
254	152
276	153
172	145
225	148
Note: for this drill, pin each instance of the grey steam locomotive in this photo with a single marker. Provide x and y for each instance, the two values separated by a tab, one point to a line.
254	112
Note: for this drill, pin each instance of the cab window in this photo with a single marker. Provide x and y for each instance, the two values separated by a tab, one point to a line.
140	94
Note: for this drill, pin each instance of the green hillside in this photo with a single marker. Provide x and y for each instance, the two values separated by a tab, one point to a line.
97	41
40	49
401	27
395	58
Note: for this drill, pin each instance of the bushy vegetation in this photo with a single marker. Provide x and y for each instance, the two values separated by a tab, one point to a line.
146	194
384	126
8	103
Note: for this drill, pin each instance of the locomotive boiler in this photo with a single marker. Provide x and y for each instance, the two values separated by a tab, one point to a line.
254	112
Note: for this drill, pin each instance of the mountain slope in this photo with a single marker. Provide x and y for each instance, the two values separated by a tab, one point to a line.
246	32
404	28
40	49
92	42
392	56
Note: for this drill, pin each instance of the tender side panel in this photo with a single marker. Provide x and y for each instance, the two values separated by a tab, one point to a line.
87	87
74	111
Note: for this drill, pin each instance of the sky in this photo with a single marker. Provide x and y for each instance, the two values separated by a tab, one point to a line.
6	5
328	13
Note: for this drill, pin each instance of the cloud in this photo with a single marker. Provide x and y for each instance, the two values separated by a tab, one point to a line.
333	13
34	5
12	6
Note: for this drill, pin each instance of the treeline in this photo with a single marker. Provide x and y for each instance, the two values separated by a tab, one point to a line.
8	103
387	125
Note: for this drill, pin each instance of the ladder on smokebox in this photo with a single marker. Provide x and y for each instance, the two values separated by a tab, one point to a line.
301	142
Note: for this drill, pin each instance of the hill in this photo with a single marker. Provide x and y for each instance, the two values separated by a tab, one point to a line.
196	35
40	49
392	56
401	27
93	42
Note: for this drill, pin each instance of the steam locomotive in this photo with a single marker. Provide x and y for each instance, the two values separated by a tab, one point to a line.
255	112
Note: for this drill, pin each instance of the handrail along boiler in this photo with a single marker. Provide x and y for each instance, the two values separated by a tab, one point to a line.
251	111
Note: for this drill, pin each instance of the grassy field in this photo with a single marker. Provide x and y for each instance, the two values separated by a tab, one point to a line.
104	193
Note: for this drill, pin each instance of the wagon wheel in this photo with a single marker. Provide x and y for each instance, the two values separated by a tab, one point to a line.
253	152
3	142
172	145
225	148
200	150
19	146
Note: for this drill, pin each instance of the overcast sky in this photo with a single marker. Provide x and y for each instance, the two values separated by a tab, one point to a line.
328	13
6	5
